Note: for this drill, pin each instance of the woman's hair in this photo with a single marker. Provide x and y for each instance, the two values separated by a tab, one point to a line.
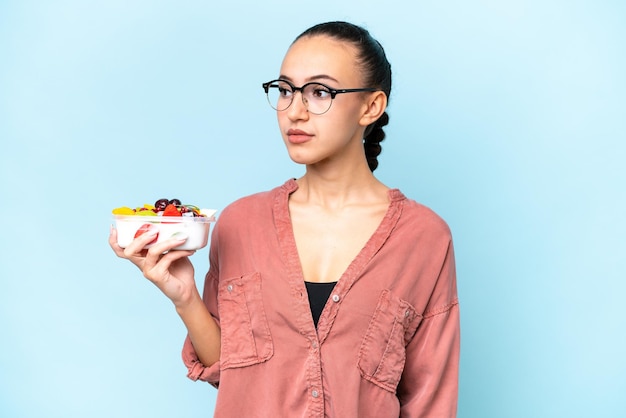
376	71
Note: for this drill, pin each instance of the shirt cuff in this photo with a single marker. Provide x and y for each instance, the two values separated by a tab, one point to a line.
195	369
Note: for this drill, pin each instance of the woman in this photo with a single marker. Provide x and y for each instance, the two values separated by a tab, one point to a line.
331	295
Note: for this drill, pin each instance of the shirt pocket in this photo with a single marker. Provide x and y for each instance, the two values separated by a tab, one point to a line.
245	333
382	353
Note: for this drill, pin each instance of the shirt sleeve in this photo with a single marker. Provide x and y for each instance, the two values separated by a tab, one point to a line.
195	369
429	384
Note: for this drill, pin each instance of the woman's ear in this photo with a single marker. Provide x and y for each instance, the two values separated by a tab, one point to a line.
375	106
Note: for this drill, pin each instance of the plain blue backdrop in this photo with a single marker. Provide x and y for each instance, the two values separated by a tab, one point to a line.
508	118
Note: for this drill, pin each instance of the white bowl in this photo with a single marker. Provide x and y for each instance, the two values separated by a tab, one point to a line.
196	227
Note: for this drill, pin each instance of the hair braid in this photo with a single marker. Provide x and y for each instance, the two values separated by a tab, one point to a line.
374	135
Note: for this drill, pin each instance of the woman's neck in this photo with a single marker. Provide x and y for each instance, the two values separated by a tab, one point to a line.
335	189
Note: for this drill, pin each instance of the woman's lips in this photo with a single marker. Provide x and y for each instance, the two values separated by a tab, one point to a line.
296	136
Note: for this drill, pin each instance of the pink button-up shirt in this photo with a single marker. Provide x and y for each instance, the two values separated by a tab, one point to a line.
387	342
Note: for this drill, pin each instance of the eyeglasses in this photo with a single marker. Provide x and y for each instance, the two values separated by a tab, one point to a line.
316	97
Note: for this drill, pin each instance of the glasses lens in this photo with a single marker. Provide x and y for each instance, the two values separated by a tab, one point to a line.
279	95
317	97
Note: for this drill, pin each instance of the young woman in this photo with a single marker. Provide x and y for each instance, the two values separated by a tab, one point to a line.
332	295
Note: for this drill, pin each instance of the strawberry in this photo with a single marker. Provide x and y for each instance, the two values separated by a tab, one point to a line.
171	210
143	229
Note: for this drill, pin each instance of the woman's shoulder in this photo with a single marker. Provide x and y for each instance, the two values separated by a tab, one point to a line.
419	216
255	204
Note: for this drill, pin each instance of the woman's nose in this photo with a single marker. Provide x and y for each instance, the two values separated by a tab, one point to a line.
298	108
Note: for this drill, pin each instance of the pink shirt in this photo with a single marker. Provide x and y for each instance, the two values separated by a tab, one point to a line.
387	342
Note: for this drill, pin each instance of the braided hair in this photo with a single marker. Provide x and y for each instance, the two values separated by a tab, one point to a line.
377	73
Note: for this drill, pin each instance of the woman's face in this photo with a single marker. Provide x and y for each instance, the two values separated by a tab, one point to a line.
336	134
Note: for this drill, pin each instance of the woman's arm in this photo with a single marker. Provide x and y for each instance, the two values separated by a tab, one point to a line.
429	384
173	273
203	331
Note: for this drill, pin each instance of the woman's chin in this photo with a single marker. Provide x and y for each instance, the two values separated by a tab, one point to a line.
303	158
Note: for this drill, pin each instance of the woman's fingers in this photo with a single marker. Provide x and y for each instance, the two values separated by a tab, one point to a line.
119	251
160	257
155	252
171	271
137	246
163	269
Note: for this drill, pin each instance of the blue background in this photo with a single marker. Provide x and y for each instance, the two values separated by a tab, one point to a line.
507	118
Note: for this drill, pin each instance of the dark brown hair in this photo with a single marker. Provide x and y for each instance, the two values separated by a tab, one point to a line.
376	70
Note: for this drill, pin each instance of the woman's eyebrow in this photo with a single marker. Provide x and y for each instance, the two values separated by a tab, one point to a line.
318	77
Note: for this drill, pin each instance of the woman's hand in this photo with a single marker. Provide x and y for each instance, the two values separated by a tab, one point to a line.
171	271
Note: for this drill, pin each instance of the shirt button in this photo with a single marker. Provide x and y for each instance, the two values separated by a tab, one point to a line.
336	298
314	344
407	313
229	287
315	393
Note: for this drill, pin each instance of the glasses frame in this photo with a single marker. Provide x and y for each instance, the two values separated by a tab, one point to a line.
333	92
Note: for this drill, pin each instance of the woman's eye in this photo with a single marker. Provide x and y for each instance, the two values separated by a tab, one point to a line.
321	93
284	92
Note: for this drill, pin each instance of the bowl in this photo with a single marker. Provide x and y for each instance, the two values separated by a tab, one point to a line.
196	228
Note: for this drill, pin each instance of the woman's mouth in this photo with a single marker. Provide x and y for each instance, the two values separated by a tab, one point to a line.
296	136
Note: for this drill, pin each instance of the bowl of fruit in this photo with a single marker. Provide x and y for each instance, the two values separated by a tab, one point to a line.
170	217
